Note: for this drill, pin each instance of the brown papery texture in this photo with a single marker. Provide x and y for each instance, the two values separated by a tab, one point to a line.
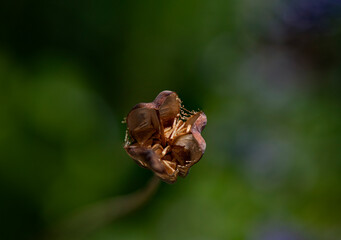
165	137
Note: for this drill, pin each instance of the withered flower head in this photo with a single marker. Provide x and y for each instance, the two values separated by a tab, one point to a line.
165	137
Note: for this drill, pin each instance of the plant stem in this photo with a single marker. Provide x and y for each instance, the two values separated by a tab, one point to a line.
102	213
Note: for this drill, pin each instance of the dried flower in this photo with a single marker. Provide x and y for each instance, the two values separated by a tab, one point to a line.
165	137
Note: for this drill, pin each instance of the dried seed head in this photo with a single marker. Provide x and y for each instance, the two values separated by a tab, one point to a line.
165	137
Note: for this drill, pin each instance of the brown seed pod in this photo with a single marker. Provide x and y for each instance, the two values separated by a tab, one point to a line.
165	137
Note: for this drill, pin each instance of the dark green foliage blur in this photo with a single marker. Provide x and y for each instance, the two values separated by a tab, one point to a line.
266	73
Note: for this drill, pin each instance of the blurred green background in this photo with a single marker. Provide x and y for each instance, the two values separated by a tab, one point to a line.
266	73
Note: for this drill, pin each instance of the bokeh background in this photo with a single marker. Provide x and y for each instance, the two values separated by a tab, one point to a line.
266	73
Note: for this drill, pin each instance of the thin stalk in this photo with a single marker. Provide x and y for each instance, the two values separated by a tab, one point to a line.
102	213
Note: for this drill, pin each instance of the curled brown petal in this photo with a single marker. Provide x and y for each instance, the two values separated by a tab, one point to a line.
197	122
146	158
168	104
144	117
197	127
142	123
188	149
